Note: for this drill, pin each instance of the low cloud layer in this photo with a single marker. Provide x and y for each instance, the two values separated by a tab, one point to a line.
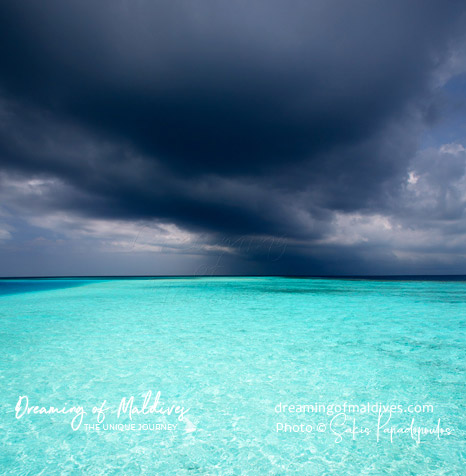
233	137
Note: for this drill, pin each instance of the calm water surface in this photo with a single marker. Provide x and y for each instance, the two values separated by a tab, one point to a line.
231	350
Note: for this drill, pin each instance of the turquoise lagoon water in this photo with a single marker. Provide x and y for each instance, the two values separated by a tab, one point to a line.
230	350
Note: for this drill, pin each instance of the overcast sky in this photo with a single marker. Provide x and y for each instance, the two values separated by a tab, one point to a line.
215	137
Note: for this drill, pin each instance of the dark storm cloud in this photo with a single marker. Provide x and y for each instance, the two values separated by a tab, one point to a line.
262	117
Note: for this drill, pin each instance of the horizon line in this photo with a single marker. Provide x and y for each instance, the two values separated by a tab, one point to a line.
303	276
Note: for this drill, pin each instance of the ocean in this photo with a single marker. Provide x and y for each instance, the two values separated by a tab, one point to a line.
232	376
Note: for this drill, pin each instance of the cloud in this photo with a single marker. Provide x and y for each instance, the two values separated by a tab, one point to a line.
221	123
4	233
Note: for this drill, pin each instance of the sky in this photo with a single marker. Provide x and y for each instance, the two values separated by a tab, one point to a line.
232	137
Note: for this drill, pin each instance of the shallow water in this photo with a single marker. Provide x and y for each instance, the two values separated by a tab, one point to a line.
231	350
